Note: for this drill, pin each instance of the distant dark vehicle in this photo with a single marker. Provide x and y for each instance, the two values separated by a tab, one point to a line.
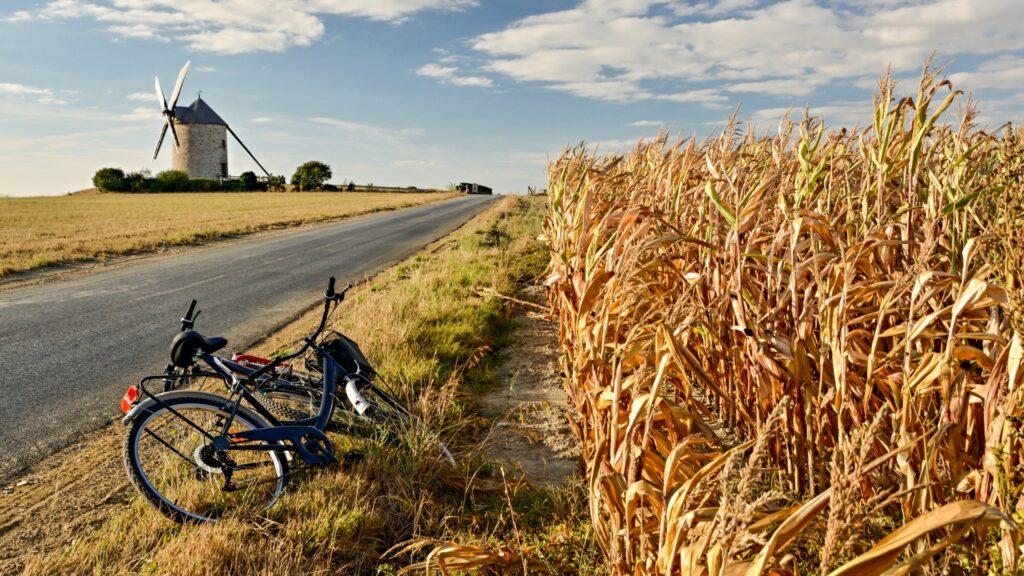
470	188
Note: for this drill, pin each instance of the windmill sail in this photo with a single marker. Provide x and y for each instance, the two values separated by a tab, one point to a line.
246	148
168	111
161	140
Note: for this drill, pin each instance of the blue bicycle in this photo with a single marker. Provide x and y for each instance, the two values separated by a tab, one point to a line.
196	455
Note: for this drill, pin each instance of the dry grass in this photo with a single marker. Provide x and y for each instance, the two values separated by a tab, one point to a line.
38	232
848	300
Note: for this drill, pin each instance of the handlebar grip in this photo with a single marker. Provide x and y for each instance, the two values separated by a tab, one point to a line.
191	309
330	288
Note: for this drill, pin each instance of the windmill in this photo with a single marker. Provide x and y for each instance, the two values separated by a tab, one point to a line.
198	133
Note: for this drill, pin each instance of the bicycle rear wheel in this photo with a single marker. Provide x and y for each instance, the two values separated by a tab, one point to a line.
175	466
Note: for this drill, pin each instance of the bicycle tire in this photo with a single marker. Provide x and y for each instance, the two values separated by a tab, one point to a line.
283	404
205	476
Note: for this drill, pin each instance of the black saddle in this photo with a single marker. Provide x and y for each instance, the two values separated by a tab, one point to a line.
187	344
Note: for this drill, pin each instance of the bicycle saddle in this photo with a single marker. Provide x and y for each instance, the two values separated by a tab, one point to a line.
187	344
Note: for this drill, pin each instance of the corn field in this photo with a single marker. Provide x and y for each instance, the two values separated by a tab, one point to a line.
799	352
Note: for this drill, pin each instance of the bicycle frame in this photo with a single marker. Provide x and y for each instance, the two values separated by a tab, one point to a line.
305	437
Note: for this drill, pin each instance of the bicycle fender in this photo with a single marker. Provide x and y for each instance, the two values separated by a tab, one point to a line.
150	402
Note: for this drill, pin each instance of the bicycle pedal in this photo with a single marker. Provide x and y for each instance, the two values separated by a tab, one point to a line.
353	457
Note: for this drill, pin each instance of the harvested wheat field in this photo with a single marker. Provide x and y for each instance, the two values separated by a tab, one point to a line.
800	352
39	232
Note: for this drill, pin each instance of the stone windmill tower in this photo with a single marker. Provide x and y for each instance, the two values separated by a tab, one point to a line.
200	135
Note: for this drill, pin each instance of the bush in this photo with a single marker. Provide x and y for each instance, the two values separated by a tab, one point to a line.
110	180
311	176
138	181
234	186
351	186
329	188
249	180
169	181
203	185
275	183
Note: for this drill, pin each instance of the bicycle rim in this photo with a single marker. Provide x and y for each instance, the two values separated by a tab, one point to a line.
177	469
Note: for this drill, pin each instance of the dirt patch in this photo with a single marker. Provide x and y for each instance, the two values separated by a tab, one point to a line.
44	509
530	432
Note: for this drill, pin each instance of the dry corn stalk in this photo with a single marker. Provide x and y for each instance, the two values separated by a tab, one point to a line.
823	277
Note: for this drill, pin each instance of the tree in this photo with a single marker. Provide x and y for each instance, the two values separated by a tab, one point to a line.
249	180
110	180
311	176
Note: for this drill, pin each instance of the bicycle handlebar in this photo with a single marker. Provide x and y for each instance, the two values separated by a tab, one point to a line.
189	319
330	296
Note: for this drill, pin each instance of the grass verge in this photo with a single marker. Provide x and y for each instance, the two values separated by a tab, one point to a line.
431	327
40	232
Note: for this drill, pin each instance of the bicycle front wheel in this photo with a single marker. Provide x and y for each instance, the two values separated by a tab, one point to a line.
172	462
387	413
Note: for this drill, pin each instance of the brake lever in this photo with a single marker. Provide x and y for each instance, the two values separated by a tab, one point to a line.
189	322
341	295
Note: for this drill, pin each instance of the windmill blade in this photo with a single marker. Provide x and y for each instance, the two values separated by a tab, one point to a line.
160	96
159	142
246	148
174	134
177	87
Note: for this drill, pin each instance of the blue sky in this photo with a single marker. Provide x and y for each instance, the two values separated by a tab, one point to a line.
427	92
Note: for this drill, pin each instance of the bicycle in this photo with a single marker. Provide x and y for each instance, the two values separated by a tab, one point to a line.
195	455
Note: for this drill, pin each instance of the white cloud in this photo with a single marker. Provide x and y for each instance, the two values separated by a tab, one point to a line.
377	134
1004	72
231	26
41	95
143	31
451	75
843	113
614	146
19	16
647	123
436	71
142	97
139	113
480	81
261	120
708	96
677	50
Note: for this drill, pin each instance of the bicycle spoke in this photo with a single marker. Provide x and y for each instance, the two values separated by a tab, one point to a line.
172	448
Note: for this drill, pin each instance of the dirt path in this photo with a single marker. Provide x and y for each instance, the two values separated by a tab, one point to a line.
530	433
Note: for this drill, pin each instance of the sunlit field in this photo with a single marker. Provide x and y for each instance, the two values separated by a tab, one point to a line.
38	232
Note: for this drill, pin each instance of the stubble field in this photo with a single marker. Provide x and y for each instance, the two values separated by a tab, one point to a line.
39	232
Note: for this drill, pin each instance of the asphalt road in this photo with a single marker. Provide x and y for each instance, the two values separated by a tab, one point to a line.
69	348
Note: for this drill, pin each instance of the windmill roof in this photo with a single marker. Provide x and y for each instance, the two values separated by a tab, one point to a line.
199	112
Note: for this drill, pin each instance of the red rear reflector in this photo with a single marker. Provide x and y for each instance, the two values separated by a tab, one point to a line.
130	396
